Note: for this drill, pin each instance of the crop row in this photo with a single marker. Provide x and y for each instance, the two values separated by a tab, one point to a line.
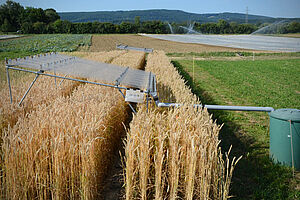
174	153
46	43
63	149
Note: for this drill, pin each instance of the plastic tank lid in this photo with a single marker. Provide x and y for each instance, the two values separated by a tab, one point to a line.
286	114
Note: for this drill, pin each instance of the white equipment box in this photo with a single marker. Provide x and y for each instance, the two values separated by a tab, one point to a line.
135	96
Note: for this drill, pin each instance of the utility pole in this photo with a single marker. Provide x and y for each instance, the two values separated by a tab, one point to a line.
246	19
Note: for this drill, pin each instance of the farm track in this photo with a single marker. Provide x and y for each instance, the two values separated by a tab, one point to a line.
109	42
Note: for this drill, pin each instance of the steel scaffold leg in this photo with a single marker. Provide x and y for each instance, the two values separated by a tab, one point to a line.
37	75
9	86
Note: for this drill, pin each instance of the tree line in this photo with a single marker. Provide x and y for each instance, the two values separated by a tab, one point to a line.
16	18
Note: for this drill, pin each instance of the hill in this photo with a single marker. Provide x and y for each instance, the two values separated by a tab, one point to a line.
177	16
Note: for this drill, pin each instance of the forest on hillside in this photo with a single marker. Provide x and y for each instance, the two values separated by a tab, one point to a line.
15	18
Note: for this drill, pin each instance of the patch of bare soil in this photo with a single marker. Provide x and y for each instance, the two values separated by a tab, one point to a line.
108	42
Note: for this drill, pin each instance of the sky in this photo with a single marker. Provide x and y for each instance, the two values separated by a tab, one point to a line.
271	8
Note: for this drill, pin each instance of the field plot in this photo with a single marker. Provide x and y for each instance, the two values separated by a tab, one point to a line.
265	43
62	146
67	142
172	154
109	42
35	44
62	143
254	83
44	43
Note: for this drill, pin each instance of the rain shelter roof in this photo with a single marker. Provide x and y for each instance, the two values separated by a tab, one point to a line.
83	68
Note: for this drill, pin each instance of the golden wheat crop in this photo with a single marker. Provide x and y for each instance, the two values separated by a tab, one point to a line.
106	57
168	79
56	150
174	153
63	149
43	92
134	59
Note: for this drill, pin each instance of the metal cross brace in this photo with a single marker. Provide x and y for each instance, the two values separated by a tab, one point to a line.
118	81
41	72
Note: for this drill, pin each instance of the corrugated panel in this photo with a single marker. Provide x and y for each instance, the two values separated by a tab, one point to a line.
126	47
78	67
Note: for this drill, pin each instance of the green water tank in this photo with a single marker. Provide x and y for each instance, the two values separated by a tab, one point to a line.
285	137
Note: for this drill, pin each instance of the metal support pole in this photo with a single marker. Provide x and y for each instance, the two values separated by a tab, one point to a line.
55	78
9	86
147	100
128	103
37	75
67	78
62	80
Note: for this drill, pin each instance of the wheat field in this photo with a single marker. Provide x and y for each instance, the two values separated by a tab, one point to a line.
173	153
62	148
59	143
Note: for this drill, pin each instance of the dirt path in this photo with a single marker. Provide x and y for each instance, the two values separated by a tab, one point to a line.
113	187
109	42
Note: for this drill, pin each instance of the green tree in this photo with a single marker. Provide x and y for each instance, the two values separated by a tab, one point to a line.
39	27
224	26
127	27
67	26
11	12
62	26
154	27
211	28
82	28
58	26
27	27
246	29
109	27
6	26
51	15
33	15
293	27
137	22
234	27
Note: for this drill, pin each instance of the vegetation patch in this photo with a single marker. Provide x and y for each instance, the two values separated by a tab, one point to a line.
253	83
233	54
66	144
45	43
174	153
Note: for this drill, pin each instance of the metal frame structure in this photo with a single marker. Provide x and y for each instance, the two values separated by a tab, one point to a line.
126	47
55	62
124	76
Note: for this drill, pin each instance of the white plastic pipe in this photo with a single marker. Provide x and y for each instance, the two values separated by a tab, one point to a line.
221	107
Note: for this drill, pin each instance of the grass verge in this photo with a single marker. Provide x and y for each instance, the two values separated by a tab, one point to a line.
258	83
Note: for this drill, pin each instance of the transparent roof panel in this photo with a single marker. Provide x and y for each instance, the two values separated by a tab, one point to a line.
83	68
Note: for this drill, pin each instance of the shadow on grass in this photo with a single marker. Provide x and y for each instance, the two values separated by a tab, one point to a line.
255	176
